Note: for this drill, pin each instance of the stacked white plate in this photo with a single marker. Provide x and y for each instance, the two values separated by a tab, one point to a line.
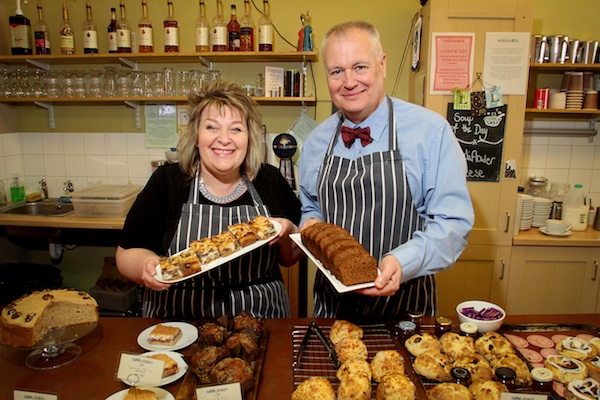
541	211
526	202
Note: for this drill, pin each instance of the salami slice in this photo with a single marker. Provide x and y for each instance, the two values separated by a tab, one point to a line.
540	341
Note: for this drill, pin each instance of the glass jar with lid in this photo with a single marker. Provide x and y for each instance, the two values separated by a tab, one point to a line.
558	191
537	186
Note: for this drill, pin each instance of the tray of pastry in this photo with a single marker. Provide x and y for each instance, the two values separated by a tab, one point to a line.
312	358
226	352
569	350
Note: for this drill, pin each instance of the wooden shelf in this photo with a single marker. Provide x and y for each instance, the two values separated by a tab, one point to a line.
566	112
563	67
177	99
156	58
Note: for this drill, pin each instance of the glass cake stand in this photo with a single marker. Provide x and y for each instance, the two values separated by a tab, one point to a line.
56	348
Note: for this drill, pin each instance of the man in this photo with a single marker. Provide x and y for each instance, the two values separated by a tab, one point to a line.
400	190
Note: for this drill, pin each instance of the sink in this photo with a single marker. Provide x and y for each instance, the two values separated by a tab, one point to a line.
42	208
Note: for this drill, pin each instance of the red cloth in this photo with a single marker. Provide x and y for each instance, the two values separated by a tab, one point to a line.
349	135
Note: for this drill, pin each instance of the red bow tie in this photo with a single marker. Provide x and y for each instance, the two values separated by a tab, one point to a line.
349	135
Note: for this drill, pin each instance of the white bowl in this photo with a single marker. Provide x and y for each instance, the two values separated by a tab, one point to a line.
483	325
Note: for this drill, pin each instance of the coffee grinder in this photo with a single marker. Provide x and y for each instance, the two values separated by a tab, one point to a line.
284	147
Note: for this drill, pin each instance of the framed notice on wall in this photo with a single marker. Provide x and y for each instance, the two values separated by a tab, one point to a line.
452	61
482	140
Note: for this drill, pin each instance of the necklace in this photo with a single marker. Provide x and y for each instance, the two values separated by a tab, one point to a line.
239	190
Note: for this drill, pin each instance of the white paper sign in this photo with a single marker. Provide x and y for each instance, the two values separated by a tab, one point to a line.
26	395
137	370
522	396
506	61
231	391
452	61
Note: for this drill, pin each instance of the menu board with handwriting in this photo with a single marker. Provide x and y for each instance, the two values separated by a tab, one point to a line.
482	141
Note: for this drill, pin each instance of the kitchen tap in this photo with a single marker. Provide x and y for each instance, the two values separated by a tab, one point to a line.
68	188
44	188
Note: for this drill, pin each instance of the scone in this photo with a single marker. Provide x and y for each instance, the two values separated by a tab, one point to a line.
396	387
419	343
455	345
493	345
487	390
576	348
477	365
449	391
593	367
565	369
314	388
433	365
517	364
341	329
349	348
354	387
354	366
583	389
386	362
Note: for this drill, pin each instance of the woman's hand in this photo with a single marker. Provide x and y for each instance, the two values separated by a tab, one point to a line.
289	253
388	281
149	276
287	227
139	265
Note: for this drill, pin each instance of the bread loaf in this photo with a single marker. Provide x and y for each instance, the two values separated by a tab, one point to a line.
340	253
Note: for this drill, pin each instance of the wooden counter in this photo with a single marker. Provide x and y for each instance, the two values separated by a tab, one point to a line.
92	375
66	221
533	237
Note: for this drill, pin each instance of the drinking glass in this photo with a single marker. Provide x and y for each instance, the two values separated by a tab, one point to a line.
38	86
53	89
137	84
169	84
184	83
159	83
79	82
110	83
95	89
68	84
123	84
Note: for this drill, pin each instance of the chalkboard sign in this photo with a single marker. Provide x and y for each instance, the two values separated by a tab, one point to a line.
482	140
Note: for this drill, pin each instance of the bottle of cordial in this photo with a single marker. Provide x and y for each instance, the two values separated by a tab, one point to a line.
90	31
265	29
67	36
202	30
123	31
233	31
171	30
145	34
112	31
20	32
41	32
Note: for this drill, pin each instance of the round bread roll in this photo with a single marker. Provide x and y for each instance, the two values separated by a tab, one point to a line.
433	365
396	387
354	366
565	369
455	345
493	345
341	329
487	390
386	362
314	388
354	387
349	348
517	364
477	365
582	389
576	348
593	367
449	391
419	343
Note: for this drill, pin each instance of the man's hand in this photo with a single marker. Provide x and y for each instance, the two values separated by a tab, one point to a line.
388	281
309	222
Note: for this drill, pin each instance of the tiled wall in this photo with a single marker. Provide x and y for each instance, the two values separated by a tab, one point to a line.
562	158
84	158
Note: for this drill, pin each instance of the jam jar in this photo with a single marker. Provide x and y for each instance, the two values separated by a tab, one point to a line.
415	316
506	376
542	380
405	329
469	329
461	376
442	325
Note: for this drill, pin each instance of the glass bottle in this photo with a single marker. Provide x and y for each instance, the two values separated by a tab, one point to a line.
20	32
265	29
145	34
90	31
218	38
112	31
202	30
171	30
17	190
67	38
123	31
233	31
247	29
41	32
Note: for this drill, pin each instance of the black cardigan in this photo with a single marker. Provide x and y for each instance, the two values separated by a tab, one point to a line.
152	221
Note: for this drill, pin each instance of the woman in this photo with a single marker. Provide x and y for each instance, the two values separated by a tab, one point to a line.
220	180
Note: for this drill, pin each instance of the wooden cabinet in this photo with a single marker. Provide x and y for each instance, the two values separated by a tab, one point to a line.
480	273
553	280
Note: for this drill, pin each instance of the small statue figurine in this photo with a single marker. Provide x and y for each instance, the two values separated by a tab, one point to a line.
308	43
301	33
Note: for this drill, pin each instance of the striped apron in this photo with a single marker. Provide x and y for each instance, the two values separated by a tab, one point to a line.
370	197
252	282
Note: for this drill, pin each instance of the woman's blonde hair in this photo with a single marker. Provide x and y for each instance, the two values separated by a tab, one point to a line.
218	95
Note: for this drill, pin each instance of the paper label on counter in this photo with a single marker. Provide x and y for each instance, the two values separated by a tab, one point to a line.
136	370
522	396
231	391
26	395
